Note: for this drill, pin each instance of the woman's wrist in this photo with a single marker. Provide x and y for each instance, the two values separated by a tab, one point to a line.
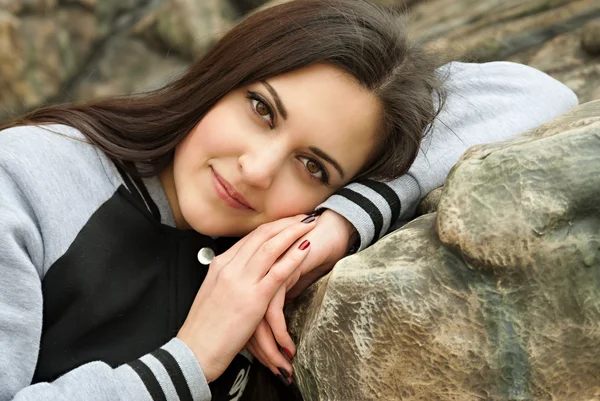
345	229
201	356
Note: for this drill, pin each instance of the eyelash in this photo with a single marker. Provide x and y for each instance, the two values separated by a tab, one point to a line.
324	175
253	96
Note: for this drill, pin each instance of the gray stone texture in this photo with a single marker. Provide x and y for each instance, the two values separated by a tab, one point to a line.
494	297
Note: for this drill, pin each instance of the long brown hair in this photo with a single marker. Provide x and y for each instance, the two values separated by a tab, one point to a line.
367	41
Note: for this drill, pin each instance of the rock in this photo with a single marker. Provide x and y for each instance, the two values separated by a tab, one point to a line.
590	38
403	5
564	60
529	204
495	30
502	304
33	6
11	63
46	46
41	54
430	203
187	27
127	65
10	6
543	34
244	6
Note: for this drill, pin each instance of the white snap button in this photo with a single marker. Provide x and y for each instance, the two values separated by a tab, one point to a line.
206	255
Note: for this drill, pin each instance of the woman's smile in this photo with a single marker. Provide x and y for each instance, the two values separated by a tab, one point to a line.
228	194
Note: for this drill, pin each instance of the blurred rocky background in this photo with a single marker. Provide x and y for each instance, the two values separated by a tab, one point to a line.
54	51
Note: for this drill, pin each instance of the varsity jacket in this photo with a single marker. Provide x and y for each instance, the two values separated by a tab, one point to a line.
95	280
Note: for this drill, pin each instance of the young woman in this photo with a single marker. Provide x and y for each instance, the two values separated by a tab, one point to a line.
111	213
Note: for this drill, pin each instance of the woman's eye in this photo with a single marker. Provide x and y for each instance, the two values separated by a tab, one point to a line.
261	108
315	169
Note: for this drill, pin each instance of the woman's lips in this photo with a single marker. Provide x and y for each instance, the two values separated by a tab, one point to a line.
229	195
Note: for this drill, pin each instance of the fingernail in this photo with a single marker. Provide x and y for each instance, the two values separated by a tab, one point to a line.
283	380
284	373
309	219
304	245
287	353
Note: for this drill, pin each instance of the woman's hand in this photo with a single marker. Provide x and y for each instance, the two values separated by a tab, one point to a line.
330	240
239	286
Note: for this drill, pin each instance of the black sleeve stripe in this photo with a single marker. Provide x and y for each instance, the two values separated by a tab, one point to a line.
368	207
149	380
175	373
389	195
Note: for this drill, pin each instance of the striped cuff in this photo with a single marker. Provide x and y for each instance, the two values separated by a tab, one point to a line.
373	207
172	373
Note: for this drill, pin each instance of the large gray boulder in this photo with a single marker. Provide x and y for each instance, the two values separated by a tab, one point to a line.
494	297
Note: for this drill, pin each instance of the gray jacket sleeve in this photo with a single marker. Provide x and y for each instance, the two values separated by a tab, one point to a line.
486	103
21	264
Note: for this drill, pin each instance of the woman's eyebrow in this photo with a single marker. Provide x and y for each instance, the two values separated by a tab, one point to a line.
284	114
277	99
327	158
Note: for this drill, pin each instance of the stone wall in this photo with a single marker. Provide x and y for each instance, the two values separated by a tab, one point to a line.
54	51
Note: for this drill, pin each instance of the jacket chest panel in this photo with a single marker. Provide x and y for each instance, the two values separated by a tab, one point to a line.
121	290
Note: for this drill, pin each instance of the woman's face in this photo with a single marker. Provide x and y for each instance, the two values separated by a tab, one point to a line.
270	150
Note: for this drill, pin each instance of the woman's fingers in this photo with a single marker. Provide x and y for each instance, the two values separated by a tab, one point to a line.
276	321
269	241
265	345
279	248
260	235
234	297
276	276
253	349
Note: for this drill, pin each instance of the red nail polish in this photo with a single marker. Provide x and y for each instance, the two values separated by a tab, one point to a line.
304	245
287	352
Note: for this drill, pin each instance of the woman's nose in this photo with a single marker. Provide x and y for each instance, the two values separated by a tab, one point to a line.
260	167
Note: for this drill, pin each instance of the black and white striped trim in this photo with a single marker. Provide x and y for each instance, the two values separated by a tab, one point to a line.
163	358
175	373
392	199
365	193
149	380
367	206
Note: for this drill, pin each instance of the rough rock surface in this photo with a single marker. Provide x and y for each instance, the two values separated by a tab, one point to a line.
544	34
590	38
495	297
